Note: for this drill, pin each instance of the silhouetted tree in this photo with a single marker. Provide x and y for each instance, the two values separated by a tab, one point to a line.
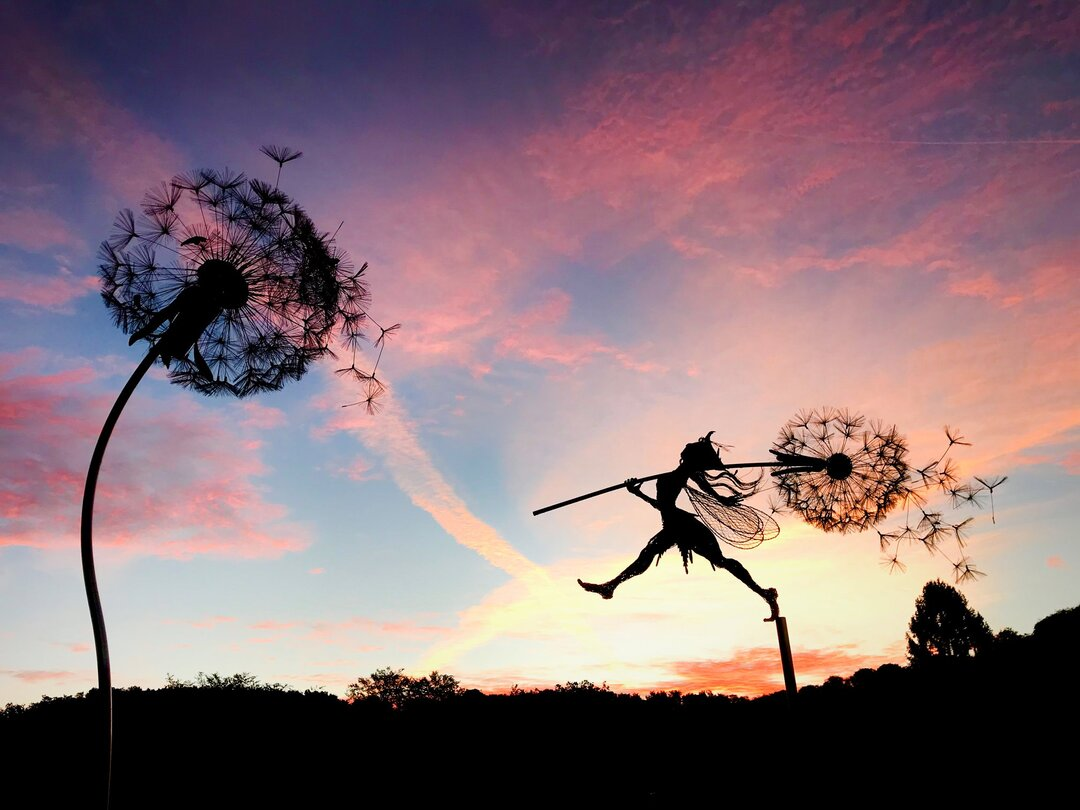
236	682
944	625
397	690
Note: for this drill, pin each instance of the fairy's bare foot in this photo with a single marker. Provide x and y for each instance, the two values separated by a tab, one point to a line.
770	596
605	590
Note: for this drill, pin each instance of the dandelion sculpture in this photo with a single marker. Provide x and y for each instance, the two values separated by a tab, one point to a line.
236	291
861	480
836	470
866	476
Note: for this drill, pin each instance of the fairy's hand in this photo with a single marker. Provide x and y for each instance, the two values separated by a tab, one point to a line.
634	485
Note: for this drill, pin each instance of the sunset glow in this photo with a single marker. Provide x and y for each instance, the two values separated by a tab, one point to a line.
606	229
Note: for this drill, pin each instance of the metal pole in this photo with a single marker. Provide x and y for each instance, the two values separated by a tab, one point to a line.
807	464
612	488
785	657
97	617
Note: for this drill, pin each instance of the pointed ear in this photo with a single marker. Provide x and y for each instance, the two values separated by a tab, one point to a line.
708	436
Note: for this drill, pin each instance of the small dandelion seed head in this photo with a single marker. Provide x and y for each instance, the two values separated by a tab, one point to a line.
280	154
894	564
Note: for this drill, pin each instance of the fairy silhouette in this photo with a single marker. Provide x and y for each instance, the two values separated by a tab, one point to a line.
719	516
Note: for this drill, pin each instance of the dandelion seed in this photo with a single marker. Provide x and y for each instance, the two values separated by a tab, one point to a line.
991	485
954	438
964	570
893	563
280	155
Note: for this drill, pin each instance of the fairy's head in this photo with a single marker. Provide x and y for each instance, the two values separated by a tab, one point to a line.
702	455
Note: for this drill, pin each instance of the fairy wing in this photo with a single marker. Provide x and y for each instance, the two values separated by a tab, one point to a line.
739	525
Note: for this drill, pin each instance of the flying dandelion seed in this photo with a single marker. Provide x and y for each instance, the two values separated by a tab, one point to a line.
374	388
280	155
991	484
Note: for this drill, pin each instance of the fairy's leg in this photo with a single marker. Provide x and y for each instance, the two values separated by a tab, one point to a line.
711	552
656	546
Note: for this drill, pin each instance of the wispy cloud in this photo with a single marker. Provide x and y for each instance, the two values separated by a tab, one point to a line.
50	101
395	439
34	229
42	675
52	291
531	592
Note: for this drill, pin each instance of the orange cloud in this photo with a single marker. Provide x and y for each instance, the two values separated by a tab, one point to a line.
757	671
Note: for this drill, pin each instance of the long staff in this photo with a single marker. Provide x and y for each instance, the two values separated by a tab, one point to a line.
787	462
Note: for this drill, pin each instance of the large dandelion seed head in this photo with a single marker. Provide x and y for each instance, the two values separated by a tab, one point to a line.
863	473
227	275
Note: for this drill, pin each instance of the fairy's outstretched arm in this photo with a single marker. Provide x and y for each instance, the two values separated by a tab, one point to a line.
634	485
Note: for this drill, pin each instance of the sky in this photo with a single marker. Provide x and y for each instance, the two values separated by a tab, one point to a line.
606	229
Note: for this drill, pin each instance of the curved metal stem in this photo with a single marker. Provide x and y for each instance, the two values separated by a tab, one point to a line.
97	618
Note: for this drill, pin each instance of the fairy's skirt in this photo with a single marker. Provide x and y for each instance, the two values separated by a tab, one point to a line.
683	529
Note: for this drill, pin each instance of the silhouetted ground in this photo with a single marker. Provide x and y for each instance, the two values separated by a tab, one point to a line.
996	726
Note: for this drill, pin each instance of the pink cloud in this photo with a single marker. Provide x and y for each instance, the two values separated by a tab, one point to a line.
52	291
33	229
741	145
1055	562
211	622
356	634
273	625
360	469
317	571
49	101
345	632
531	337
204	500
260	417
457	261
40	675
76	647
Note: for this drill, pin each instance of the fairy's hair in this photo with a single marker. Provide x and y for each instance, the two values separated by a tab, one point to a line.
704	455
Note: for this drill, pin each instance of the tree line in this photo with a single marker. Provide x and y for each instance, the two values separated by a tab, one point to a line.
967	698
